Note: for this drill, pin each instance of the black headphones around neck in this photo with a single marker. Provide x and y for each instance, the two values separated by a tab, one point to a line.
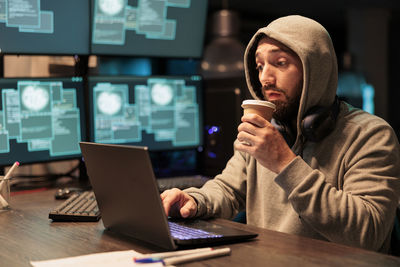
318	122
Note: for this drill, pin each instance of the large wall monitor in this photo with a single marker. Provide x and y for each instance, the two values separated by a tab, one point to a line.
41	119
44	27
164	28
163	113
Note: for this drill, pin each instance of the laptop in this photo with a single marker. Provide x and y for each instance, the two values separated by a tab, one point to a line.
127	195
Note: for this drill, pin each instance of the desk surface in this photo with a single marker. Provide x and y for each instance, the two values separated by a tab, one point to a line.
27	234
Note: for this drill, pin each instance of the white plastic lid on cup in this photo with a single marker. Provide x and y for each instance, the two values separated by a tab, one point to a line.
252	102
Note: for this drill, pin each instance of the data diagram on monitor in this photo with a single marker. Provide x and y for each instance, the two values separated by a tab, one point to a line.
112	18
26	16
165	109
42	115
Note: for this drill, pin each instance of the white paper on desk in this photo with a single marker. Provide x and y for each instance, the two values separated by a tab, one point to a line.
114	259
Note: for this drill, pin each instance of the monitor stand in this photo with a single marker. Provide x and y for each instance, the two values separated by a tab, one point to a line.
83	180
1	67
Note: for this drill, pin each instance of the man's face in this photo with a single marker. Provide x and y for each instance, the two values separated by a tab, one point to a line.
281	75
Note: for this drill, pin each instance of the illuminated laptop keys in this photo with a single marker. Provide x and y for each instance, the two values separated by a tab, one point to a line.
185	233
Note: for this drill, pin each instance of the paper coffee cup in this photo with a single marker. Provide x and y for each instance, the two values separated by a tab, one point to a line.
260	107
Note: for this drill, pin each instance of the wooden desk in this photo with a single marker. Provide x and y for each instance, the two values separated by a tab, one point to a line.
27	234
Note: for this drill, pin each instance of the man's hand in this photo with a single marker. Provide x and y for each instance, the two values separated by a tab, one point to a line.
264	142
178	203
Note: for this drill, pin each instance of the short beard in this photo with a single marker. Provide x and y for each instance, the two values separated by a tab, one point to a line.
286	111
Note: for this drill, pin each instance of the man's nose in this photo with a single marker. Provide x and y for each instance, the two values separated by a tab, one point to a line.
267	76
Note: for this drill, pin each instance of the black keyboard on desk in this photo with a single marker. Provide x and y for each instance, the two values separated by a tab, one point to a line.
181	182
79	207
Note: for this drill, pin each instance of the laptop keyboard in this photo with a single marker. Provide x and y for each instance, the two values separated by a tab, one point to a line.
181	182
78	207
185	233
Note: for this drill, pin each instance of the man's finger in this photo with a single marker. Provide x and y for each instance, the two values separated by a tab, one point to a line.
188	209
254	119
168	199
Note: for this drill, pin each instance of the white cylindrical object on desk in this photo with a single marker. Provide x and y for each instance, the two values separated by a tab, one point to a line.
197	256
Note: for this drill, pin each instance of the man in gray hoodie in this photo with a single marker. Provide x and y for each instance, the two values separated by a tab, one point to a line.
321	168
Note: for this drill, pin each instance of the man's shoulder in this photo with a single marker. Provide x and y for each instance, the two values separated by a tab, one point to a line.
353	117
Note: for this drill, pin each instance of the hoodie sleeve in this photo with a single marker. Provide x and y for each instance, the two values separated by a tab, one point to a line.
360	211
225	195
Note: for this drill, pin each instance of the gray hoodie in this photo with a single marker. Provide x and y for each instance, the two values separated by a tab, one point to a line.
343	188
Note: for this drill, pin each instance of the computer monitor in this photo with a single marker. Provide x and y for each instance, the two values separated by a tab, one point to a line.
160	112
154	28
44	27
41	120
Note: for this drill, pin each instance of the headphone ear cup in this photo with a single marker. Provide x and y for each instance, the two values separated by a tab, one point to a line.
312	122
319	122
285	131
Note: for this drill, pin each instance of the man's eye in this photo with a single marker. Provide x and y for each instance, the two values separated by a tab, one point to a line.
282	63
259	68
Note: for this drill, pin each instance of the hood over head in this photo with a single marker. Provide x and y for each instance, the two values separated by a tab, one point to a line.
312	43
